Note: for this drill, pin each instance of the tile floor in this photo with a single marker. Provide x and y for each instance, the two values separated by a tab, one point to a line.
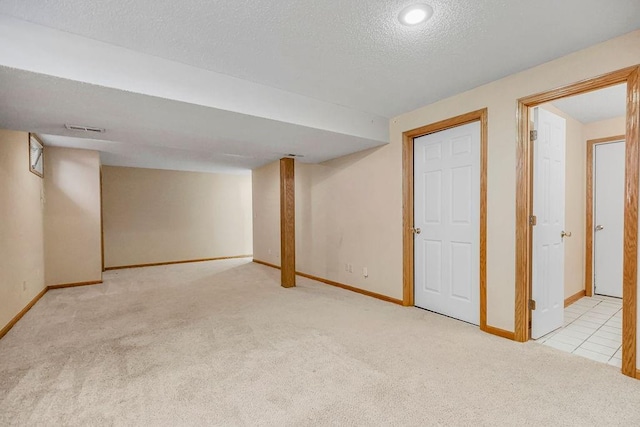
592	329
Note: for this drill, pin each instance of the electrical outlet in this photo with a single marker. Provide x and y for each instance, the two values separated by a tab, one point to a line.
350	268
24	285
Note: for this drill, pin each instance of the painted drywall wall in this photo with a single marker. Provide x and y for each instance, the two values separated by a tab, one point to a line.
21	227
72	235
154	216
327	240
266	212
356	213
342	220
605	128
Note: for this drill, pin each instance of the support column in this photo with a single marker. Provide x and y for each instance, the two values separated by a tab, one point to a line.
287	223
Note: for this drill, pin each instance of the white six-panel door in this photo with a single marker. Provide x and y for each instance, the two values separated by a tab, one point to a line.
447	212
548	206
608	218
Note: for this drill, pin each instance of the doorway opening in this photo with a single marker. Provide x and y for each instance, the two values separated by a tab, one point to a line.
528	268
605	216
571	256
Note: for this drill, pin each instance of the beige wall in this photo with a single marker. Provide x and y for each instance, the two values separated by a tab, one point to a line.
72	233
21	227
356	213
266	212
326	237
605	128
343	218
153	216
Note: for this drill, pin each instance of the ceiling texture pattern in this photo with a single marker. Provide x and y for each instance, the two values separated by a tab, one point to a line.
333	59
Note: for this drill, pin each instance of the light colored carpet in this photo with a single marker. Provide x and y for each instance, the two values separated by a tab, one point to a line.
220	343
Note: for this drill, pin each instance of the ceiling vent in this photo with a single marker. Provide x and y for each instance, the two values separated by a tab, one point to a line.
84	128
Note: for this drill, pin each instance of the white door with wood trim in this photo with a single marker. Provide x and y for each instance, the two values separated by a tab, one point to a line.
447	222
608	217
547	288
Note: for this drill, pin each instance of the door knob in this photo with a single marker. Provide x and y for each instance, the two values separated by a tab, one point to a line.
564	234
599	227
416	230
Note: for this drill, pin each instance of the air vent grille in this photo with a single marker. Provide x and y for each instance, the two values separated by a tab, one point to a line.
84	128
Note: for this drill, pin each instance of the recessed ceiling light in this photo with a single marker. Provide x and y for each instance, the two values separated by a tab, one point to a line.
415	14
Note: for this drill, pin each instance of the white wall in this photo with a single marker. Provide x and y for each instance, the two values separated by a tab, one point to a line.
21	227
72	234
153	216
356	201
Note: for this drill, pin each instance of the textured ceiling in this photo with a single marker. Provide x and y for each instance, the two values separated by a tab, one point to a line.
228	85
352	53
595	106
147	131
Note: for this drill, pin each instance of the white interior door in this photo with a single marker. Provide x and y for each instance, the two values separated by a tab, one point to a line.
608	218
548	207
447	212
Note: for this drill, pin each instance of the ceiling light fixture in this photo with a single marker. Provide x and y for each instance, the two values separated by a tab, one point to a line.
415	14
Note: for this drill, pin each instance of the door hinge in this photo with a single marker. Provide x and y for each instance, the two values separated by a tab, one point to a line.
533	135
533	220
532	304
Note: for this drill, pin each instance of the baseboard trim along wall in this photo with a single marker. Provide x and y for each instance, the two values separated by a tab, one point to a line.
499	332
350	288
155	264
573	298
336	284
18	316
257	261
33	302
73	285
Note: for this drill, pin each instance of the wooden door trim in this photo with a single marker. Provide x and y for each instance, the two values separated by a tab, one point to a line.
588	241
408	199
524	186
